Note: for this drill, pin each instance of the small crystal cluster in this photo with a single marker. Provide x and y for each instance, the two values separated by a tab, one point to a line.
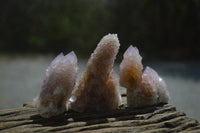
98	87
142	89
58	84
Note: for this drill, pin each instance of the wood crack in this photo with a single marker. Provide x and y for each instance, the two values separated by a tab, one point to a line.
160	118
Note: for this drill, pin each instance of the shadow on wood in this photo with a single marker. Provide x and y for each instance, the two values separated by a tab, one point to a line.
160	118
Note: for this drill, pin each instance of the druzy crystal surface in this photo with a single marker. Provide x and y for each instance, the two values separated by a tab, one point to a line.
142	89
98	89
151	80
58	84
131	68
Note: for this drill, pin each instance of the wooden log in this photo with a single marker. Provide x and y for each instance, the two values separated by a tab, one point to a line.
160	118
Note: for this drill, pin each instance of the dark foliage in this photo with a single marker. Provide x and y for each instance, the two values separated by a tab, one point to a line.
160	29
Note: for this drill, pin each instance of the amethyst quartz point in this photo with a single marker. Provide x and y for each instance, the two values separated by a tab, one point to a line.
58	84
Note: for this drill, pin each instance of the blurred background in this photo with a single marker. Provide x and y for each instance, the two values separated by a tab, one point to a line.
166	32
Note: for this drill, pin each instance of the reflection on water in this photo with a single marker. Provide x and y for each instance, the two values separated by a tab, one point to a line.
21	79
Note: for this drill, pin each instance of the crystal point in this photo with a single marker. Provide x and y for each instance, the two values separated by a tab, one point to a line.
142	89
97	90
151	79
59	81
131	68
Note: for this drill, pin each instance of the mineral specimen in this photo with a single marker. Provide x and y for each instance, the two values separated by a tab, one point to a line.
131	74
151	80
58	84
98	87
142	89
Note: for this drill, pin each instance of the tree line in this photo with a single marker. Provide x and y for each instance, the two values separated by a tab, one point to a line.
164	29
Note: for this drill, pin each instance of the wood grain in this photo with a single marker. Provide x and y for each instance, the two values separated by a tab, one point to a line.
160	118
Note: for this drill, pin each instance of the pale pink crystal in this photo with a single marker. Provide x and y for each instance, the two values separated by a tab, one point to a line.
142	89
58	84
151	79
96	91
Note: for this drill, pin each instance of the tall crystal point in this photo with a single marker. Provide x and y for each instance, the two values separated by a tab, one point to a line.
59	81
142	89
96	90
131	73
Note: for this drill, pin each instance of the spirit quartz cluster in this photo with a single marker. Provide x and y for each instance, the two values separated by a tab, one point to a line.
98	87
142	89
58	84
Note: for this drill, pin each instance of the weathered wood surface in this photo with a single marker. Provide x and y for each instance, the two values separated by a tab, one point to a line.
161	118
